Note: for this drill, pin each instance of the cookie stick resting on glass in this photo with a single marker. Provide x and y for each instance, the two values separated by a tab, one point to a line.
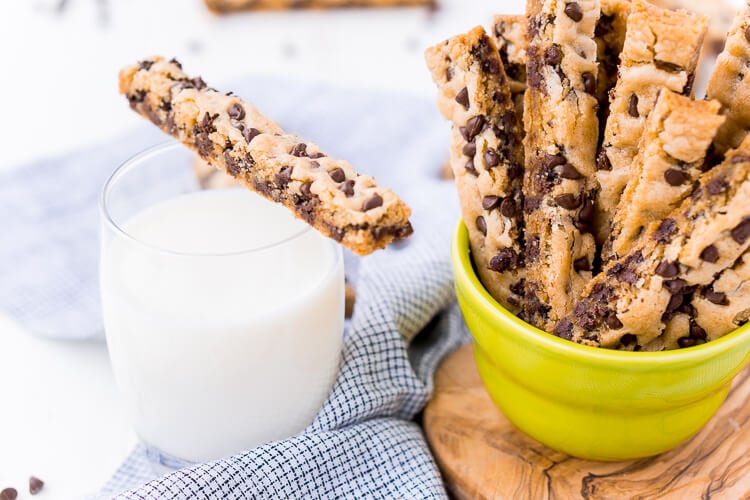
233	136
486	156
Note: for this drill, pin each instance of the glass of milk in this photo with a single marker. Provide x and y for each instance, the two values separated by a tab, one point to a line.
223	313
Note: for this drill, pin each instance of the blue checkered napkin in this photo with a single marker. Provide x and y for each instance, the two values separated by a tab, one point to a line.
364	442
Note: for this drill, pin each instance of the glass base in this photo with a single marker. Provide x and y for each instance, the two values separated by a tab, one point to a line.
163	463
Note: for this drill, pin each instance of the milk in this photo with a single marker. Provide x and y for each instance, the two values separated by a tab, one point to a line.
224	319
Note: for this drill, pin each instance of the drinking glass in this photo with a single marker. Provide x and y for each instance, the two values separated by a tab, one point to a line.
214	352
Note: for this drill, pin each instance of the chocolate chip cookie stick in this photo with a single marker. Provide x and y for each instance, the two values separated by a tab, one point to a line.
231	135
486	156
224	6
661	50
560	144
509	34
670	155
730	83
628	304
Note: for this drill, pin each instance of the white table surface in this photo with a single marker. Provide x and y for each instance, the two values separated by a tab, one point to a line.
61	418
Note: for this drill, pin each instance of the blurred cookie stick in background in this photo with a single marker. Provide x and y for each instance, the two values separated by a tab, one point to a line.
227	6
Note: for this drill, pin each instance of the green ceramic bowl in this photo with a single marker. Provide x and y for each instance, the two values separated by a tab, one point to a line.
588	402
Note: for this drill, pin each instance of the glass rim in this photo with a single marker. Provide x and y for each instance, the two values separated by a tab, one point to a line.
117	228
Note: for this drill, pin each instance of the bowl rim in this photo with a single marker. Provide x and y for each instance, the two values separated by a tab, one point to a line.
464	270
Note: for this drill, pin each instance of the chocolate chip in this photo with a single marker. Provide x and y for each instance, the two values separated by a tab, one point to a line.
602	161
552	55
696	331
505	260
667	66
710	254
250	133
686	342
742	231
628	339
317	155
582	264
568	171
348	188
633	106
35	485
623	272
284	176
176	62
299	150
674	286
574	11
470	168
314	164
564	329
337	174
490	202
305	189
198	83
589	82
463	98
718	298
491	159
374	202
747	34
675	177
716	186
481	225
473	127
587	212
236	111
145	65
470	149
740	158
675	301
552	161
667	269
568	201
532	249
667	228
449	73
508	208
612	321
9	494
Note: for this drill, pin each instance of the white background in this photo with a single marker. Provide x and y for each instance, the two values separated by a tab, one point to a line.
60	414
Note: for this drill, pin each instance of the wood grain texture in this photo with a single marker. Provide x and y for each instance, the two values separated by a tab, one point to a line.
482	455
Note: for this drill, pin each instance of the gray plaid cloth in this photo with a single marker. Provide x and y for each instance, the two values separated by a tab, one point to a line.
365	442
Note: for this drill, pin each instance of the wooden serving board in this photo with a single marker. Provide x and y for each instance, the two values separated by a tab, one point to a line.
482	455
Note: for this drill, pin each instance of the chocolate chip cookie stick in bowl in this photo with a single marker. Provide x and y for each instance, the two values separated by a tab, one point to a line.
224	6
730	83
661	51
509	33
233	136
677	134
560	146
627	304
486	156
